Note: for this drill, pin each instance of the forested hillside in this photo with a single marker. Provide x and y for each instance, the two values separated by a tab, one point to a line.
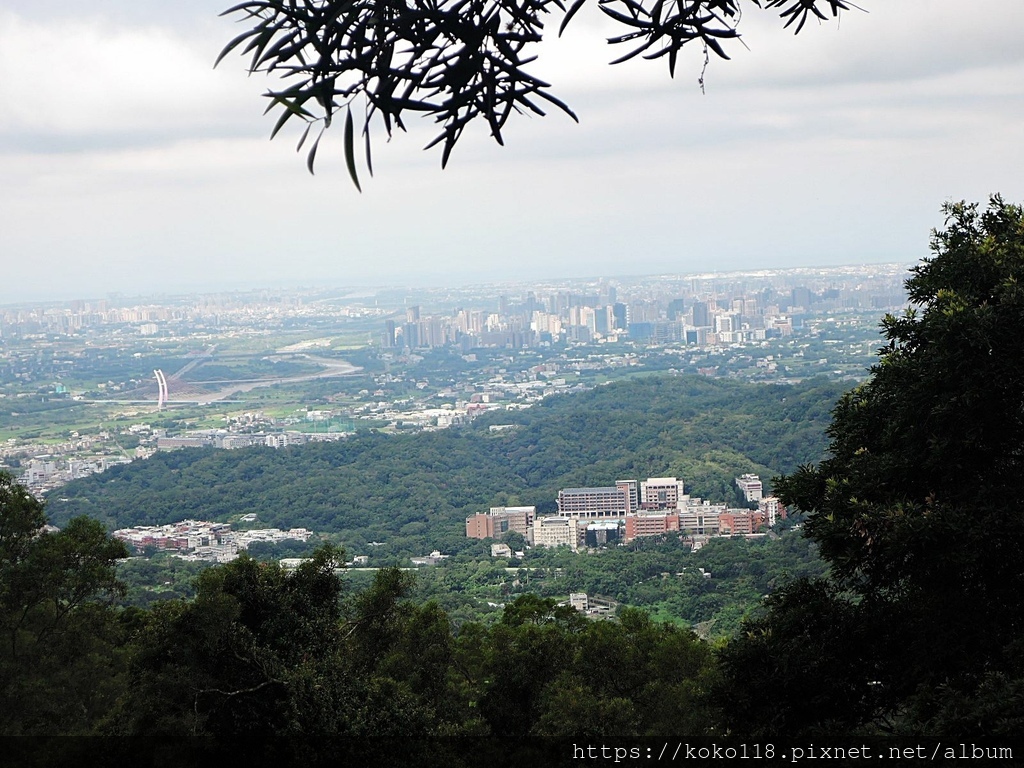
414	491
911	638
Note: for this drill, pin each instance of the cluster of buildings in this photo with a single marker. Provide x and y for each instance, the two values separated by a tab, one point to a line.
700	310
629	510
201	540
228	440
46	472
54	465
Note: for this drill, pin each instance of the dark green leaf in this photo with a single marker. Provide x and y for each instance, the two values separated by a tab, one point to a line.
302	139
568	17
311	157
350	152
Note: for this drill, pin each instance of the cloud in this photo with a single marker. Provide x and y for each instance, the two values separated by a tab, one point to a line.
130	163
905	41
72	84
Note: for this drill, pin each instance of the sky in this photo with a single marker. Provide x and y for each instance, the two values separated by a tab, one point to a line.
129	164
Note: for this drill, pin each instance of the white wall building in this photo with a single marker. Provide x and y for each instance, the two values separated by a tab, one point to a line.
661	493
556	532
750	485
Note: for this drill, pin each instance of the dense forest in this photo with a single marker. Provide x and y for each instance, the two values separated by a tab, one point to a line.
410	494
712	589
413	492
909	647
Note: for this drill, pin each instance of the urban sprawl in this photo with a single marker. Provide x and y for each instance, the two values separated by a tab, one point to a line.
88	384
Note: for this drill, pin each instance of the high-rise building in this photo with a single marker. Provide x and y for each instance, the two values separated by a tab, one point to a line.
411	335
588	319
701	314
675	309
801	297
620	312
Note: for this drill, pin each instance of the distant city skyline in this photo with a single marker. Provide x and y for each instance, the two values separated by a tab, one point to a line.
130	165
92	373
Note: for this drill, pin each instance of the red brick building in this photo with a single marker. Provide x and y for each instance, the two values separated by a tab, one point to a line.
646	524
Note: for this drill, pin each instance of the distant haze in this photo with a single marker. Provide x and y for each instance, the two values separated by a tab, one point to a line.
129	164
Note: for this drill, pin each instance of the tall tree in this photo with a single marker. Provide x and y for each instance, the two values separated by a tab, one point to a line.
59	639
916	510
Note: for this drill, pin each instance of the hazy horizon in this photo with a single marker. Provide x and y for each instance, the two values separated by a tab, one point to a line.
131	165
354	287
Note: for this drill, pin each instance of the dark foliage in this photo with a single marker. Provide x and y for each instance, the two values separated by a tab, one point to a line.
917	510
453	60
57	633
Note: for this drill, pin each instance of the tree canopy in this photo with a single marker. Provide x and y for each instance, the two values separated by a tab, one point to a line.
266	666
917	513
455	60
57	636
932	446
915	632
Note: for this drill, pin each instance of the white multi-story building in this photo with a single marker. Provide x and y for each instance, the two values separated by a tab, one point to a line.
751	486
772	509
699	517
661	493
556	532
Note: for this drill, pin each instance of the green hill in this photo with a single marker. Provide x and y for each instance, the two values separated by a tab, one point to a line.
414	491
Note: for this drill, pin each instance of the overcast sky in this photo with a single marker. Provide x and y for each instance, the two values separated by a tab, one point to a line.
129	164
